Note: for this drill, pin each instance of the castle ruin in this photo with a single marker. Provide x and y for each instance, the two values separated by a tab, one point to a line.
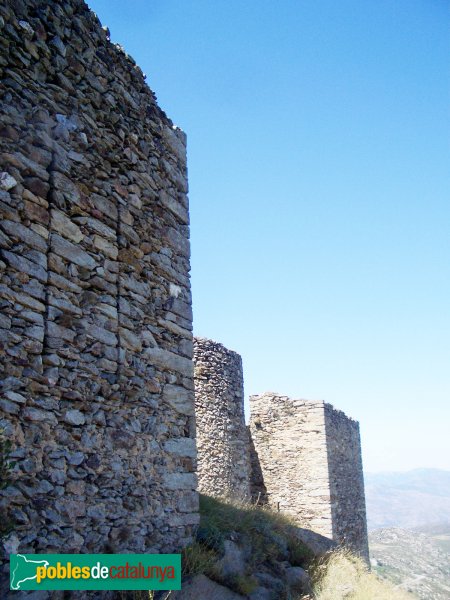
96	345
97	391
222	437
304	457
307	463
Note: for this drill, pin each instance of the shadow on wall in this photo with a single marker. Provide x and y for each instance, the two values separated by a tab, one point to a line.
258	490
302	458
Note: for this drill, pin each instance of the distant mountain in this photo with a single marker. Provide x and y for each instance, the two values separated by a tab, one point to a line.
410	499
413	561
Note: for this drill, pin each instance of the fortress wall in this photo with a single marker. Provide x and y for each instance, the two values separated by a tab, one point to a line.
222	437
96	323
291	448
307	461
348	503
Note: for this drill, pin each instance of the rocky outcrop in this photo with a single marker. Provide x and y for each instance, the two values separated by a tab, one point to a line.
201	587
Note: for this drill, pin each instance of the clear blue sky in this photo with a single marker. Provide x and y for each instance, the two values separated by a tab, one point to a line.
318	163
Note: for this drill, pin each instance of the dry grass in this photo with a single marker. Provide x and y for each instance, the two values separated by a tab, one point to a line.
271	535
197	558
343	576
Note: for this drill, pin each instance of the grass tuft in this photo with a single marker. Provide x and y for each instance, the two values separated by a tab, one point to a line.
270	535
244	584
299	554
341	575
196	559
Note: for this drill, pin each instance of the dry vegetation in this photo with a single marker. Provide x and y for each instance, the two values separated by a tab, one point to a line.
270	537
336	576
343	576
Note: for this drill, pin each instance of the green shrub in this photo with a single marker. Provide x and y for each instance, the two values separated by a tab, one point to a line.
196	559
6	467
267	533
210	535
299	554
244	584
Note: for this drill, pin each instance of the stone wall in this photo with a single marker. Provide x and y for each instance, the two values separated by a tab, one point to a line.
290	444
97	386
348	506
222	437
96	322
307	462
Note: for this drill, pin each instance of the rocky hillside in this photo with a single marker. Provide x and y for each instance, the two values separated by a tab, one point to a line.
245	552
242	551
413	561
439	533
407	500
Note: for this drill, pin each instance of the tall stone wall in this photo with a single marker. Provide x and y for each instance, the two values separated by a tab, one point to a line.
307	462
97	390
290	445
222	437
348	506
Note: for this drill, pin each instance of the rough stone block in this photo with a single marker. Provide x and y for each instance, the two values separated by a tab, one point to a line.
179	398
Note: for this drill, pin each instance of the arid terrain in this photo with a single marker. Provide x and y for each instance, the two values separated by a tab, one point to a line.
409	530
415	561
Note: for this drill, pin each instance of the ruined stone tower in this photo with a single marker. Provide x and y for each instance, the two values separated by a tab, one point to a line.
96	346
306	460
222	437
97	390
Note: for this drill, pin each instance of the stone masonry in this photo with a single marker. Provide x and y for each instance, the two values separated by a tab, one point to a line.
306	461
348	504
97	390
96	346
222	437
